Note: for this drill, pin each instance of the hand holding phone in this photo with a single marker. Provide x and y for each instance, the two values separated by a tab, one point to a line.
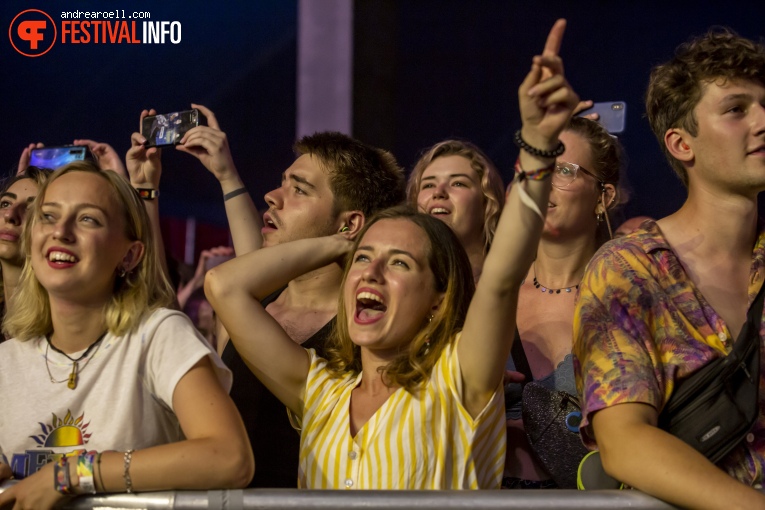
169	128
612	115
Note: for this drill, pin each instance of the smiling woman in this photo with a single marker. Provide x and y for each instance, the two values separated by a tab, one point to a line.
94	347
458	184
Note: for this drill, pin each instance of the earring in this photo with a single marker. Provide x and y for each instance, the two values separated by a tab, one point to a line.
600	217
122	272
430	319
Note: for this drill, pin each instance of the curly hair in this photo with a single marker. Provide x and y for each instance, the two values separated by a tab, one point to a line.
676	87
452	275
491	182
362	178
140	291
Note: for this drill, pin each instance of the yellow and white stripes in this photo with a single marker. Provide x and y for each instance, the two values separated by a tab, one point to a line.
426	440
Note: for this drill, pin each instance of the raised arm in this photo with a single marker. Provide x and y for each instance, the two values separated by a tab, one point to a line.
144	168
546	105
210	146
235	289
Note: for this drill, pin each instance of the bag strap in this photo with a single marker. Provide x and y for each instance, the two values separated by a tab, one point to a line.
750	333
519	358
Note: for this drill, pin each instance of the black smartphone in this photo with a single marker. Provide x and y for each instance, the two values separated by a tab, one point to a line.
613	115
169	128
55	157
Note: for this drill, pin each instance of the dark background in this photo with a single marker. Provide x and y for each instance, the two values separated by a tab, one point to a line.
424	70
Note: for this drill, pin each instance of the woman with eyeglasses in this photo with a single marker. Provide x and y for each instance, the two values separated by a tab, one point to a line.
584	190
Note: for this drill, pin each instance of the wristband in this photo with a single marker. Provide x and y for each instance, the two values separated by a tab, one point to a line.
147	193
62	481
533	175
85	473
231	194
521	144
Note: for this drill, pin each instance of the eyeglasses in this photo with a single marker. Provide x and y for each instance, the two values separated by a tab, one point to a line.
565	173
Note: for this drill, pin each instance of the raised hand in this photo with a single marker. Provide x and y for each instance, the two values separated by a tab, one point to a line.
545	98
586	105
144	166
26	155
106	157
210	145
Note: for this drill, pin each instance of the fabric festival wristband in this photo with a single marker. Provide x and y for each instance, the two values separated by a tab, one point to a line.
534	175
147	193
231	194
61	479
85	473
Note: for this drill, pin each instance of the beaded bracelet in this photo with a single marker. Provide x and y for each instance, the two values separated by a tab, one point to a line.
62	481
126	472
534	175
522	144
85	472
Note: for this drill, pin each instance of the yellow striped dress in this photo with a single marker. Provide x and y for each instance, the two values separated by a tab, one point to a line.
426	440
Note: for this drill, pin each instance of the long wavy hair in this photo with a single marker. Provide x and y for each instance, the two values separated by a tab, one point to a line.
453	276
491	182
142	290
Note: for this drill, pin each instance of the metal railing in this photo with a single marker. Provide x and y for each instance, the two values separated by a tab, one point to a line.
293	499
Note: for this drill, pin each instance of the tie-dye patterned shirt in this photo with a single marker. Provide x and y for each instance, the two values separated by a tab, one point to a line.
641	326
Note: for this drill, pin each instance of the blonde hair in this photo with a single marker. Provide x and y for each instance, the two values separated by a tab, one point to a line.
452	275
491	183
142	290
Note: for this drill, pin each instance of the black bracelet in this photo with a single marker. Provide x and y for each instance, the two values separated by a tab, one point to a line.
231	194
147	193
521	144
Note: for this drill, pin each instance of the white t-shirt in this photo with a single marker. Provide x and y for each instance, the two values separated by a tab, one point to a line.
123	398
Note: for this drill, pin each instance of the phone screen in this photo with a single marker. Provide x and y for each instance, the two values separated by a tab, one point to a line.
55	157
169	128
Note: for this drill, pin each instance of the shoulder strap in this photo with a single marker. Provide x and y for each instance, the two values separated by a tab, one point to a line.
750	333
519	358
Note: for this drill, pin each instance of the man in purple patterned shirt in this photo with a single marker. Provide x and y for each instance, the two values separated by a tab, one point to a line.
661	303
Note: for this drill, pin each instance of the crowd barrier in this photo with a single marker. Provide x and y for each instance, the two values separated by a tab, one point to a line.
293	499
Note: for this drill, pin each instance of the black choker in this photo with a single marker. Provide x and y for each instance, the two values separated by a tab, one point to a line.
72	379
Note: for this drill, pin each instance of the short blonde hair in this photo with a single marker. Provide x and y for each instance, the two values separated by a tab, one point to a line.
144	289
491	182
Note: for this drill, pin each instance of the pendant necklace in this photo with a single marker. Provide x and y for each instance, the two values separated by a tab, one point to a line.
72	384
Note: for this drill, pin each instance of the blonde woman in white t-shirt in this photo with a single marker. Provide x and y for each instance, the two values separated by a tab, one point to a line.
102	388
410	395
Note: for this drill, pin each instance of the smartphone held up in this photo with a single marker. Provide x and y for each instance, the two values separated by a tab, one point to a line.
51	158
169	128
613	115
